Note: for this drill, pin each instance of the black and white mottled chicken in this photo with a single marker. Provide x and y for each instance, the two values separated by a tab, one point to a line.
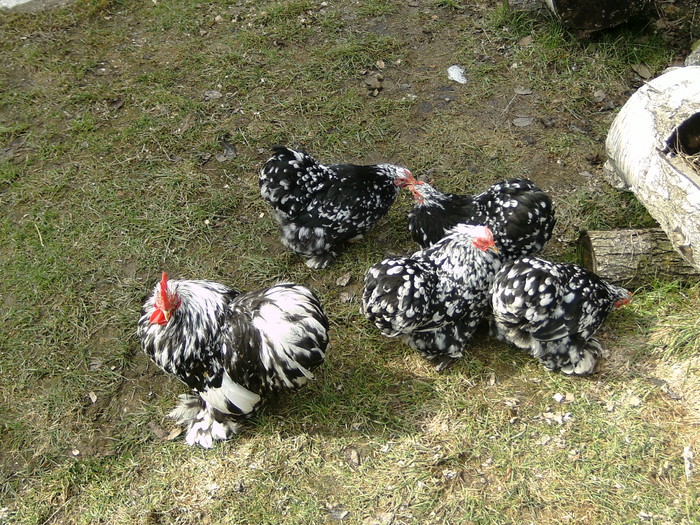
319	207
519	214
552	310
434	299
234	350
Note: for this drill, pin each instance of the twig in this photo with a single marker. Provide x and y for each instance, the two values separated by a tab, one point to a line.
509	104
41	239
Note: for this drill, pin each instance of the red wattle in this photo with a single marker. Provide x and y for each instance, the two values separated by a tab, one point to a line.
158	317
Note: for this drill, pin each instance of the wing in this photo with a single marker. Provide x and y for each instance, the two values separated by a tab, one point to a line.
550	300
397	295
290	179
351	204
528	294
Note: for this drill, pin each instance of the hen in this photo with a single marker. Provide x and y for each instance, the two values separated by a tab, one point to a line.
519	214
234	350
552	310
434	299
319	207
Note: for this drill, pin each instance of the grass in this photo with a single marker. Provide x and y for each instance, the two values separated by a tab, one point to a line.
112	169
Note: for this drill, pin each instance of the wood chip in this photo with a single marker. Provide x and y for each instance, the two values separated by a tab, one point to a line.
352	456
175	432
642	70
344	279
92	396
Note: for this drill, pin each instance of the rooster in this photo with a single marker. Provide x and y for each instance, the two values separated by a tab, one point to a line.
434	299
233	350
552	310
319	207
519	214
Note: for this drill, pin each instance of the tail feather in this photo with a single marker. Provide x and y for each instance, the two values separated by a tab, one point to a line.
293	332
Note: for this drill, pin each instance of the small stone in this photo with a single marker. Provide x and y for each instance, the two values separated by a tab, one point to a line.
543	440
92	396
526	41
522	91
559	398
634	401
374	82
212	94
381	64
522	122
457	74
599	95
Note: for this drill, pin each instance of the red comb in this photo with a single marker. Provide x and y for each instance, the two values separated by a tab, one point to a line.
164	287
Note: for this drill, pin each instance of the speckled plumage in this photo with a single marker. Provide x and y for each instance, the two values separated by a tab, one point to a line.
519	214
552	310
233	349
319	207
435	298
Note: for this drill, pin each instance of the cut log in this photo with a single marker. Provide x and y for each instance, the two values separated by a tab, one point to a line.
653	147
634	257
592	15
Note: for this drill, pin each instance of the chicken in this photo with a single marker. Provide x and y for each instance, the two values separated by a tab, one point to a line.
552	310
519	214
319	207
434	299
233	350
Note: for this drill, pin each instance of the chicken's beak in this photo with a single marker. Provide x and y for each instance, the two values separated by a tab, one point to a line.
167	314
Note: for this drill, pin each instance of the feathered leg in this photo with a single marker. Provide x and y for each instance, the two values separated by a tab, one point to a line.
203	424
442	346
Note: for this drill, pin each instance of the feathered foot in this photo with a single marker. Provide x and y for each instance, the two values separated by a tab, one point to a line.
202	427
318	262
443	362
587	359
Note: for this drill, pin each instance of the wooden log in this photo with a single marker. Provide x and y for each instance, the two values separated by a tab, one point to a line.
592	15
634	257
652	148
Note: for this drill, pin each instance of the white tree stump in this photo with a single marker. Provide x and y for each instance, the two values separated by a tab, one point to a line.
653	149
633	257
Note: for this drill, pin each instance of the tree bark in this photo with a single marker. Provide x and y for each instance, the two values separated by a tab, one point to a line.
653	146
633	257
